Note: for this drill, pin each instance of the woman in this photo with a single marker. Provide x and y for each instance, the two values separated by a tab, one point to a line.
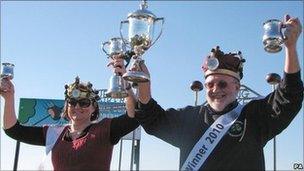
84	144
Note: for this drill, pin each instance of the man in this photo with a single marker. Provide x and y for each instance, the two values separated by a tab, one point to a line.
224	135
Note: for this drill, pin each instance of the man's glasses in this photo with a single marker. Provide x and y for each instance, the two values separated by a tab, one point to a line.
221	84
83	103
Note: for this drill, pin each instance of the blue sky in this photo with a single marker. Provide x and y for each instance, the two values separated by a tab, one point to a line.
52	42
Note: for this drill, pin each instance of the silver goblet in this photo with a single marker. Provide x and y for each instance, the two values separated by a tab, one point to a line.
140	39
7	70
273	37
114	48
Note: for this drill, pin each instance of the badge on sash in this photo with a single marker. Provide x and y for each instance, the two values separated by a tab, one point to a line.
236	129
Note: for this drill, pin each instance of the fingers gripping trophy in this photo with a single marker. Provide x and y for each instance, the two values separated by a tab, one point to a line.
115	48
140	39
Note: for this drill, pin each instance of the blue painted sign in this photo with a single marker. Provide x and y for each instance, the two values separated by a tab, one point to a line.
39	112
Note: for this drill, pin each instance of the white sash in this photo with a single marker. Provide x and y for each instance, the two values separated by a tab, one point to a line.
210	139
52	135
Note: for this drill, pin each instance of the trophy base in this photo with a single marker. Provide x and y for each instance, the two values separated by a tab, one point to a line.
272	48
272	45
117	94
136	76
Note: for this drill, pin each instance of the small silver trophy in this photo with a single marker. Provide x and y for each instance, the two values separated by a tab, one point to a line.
112	48
7	70
273	37
140	38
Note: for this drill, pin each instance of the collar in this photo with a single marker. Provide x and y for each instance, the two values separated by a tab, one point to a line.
228	108
68	137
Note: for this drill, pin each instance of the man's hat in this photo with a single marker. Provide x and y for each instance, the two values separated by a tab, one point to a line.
219	63
79	90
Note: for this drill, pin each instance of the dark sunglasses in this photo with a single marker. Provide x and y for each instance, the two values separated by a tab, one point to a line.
83	103
221	84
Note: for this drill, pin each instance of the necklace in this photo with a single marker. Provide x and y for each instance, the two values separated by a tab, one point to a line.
79	132
75	132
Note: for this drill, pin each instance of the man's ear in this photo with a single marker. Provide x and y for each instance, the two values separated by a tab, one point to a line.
238	86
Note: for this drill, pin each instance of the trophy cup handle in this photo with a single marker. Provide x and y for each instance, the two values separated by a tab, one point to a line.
121	35
283	26
103	48
161	31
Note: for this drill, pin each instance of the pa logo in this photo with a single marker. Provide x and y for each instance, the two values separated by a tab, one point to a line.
298	166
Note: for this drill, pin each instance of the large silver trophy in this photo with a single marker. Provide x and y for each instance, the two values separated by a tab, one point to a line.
273	37
113	48
7	71
140	39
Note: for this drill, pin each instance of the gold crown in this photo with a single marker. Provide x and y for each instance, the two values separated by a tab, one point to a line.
79	90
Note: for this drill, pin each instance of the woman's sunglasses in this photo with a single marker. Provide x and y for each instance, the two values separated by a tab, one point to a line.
83	103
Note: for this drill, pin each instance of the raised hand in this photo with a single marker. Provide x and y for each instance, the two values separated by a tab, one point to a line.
7	89
293	30
118	64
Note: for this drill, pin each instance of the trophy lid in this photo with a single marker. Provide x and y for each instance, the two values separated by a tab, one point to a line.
8	64
271	20
115	38
142	12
